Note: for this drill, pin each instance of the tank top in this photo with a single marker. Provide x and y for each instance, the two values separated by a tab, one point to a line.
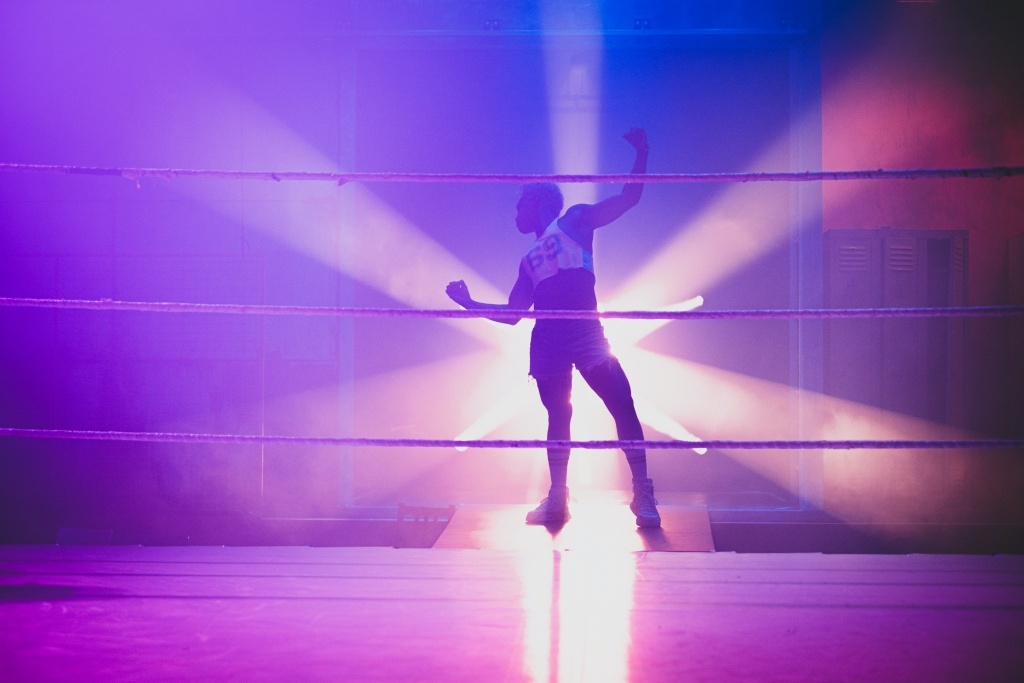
562	272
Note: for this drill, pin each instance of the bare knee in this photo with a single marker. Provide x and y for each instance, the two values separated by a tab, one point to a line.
556	395
558	410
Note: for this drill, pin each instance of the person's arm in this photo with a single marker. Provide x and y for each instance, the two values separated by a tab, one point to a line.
519	299
593	216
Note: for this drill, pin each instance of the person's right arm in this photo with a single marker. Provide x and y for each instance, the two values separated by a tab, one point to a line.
519	299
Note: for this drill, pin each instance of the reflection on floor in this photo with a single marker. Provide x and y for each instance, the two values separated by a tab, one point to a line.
130	613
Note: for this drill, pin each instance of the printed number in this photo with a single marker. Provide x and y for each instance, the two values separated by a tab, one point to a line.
548	250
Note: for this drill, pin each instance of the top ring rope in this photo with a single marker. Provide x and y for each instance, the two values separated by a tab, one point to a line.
341	178
318	311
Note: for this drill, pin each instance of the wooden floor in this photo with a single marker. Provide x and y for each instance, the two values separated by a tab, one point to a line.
590	612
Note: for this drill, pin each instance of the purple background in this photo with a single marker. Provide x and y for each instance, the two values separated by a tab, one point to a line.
408	87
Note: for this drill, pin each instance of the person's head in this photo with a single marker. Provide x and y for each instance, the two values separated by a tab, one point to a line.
539	204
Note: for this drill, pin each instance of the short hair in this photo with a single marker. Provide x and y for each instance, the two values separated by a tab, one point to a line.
547	194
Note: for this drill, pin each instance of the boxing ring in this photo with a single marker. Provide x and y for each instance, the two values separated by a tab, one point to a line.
493	599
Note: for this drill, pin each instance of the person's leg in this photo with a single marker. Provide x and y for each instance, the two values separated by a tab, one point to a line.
608	380
555	394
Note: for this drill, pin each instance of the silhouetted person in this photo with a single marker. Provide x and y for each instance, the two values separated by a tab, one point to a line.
557	273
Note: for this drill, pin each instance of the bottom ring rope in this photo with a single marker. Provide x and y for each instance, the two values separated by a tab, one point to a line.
254	439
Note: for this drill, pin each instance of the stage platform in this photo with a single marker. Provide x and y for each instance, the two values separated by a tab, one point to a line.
593	526
133	613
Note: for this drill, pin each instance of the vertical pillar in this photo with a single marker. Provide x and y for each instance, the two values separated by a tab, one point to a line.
346	158
806	290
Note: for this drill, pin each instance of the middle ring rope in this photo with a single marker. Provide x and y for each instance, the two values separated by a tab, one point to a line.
322	311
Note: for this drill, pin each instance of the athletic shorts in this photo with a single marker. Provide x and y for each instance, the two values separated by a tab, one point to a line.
557	345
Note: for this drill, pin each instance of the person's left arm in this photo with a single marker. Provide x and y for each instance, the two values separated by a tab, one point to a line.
519	299
593	216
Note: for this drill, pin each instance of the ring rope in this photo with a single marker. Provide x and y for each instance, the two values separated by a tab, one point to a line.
341	178
253	439
259	309
137	174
